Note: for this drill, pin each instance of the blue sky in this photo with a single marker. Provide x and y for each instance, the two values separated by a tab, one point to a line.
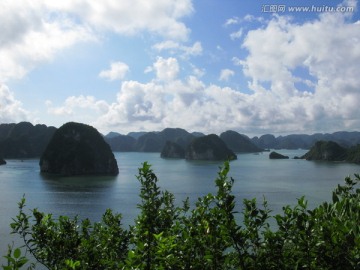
205	65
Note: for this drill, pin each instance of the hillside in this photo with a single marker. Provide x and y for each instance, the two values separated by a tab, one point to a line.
78	149
239	143
209	147
155	141
24	140
332	151
304	141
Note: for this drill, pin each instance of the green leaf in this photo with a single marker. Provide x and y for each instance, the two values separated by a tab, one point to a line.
17	253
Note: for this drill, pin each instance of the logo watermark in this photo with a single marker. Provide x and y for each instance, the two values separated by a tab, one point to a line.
312	8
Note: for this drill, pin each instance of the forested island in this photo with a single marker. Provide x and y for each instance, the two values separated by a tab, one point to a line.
24	140
332	151
78	149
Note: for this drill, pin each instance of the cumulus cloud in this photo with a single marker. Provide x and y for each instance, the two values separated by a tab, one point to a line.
166	69
225	74
73	103
11	110
29	36
33	32
322	56
326	49
117	71
125	17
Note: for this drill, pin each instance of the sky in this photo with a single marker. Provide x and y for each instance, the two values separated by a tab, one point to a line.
255	67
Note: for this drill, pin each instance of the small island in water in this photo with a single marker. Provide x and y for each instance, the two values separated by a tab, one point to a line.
275	155
78	149
2	161
332	151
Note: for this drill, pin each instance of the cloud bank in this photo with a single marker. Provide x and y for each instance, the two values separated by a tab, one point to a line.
33	32
302	77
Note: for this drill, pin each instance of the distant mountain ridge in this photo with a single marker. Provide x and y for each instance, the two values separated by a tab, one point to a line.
332	151
304	141
25	140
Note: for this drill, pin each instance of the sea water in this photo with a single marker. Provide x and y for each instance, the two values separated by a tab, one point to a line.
280	182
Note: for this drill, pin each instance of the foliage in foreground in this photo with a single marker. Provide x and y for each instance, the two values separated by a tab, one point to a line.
207	236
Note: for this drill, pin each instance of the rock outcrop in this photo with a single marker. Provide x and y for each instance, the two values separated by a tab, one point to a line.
172	150
238	143
209	147
2	161
326	150
275	155
78	149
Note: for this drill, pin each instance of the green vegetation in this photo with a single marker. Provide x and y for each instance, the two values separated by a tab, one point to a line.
205	236
331	151
209	147
78	149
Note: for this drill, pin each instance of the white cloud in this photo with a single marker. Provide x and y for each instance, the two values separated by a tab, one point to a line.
166	69
176	47
11	110
225	74
130	17
323	55
232	21
73	103
34	32
30	36
327	49
236	61
236	35
117	71
198	72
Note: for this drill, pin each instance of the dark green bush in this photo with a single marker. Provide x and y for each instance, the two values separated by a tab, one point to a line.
206	236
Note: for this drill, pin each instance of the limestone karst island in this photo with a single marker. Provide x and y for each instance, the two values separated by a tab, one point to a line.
78	149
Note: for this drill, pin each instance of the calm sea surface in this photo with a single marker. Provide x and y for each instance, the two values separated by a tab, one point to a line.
255	175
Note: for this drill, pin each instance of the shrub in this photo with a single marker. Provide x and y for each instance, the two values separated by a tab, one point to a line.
206	236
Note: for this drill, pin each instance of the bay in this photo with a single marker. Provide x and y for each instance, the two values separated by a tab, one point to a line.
281	182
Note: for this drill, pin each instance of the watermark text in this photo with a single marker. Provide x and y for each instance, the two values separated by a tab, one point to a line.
312	8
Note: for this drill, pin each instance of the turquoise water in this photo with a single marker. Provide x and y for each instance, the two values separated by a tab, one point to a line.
255	175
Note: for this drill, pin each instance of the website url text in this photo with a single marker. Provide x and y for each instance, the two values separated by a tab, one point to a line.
313	8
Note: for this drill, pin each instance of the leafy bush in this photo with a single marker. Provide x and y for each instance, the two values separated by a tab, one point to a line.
207	236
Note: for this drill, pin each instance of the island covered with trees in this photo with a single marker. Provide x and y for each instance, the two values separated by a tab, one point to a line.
78	149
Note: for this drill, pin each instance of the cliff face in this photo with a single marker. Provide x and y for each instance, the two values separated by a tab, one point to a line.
209	147
78	149
326	150
172	150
